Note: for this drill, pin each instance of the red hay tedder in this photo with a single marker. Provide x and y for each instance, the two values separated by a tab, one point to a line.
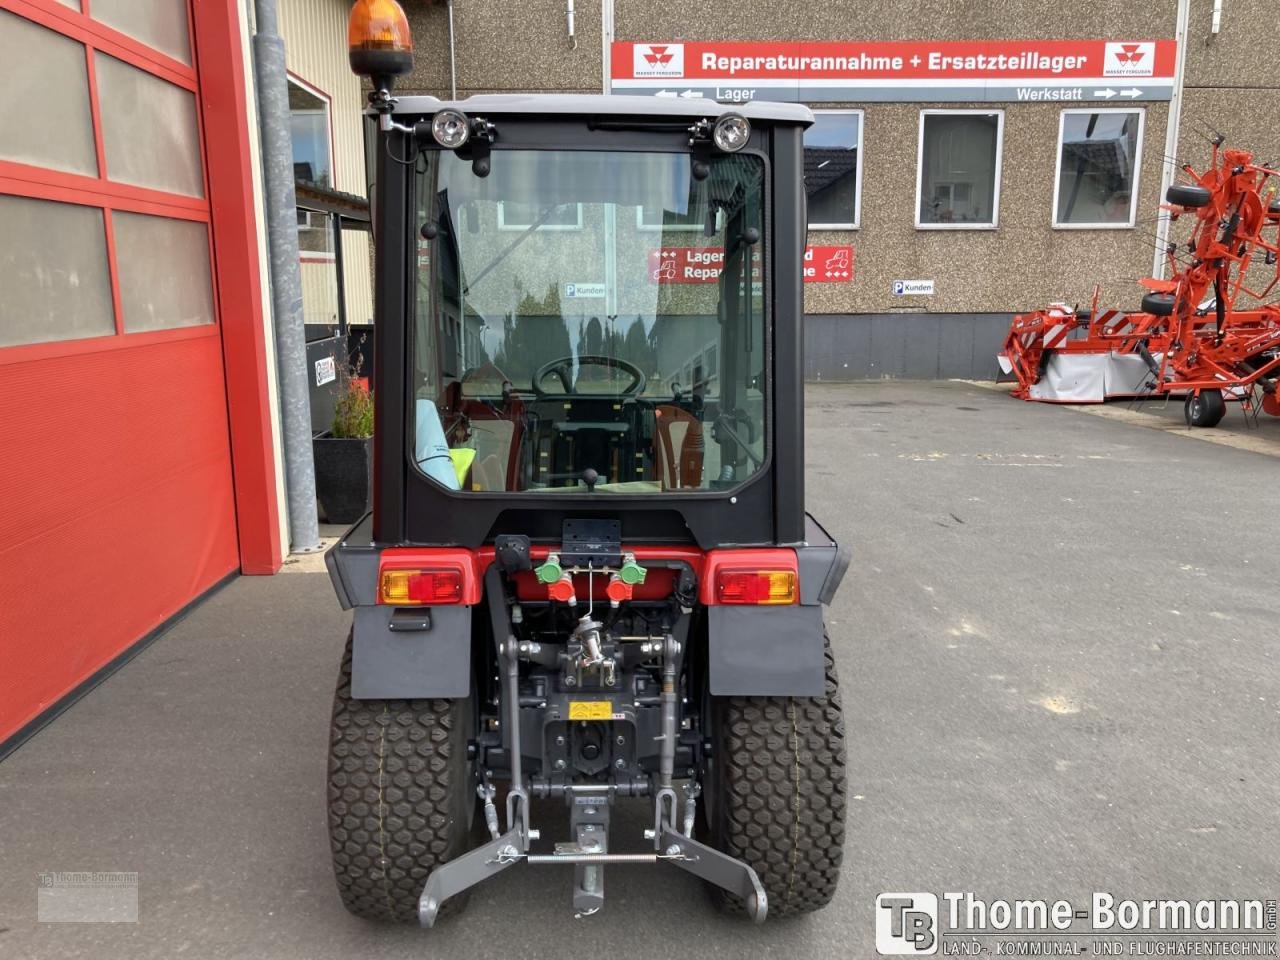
1210	333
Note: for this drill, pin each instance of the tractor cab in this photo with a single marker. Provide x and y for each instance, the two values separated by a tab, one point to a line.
592	309
588	575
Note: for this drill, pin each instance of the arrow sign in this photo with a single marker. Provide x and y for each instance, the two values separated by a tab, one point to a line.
666	93
692	95
1131	93
1108	93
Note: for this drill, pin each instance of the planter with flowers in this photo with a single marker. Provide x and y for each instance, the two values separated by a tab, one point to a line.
344	456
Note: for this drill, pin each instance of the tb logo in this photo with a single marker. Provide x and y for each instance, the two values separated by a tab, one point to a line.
906	923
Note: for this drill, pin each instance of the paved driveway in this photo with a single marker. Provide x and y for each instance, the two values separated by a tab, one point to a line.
1058	648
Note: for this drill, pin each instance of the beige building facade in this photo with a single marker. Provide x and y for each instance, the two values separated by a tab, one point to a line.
1018	203
330	151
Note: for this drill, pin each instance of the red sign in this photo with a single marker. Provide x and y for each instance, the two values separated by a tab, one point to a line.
827	264
981	69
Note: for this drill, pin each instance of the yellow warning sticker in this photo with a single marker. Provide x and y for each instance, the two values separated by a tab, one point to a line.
590	710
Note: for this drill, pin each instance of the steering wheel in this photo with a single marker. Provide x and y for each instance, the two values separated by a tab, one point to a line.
562	367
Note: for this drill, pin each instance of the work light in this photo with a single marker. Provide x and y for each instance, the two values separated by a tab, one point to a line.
731	132
451	128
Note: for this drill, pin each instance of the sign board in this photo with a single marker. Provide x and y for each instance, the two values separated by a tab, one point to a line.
913	288
584	291
823	264
1074	71
828	264
326	371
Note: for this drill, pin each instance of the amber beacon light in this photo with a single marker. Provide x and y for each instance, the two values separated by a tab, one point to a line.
378	41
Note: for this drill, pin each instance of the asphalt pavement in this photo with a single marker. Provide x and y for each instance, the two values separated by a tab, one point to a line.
1057	644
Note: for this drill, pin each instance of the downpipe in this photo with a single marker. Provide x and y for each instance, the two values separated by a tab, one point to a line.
1169	162
281	203
453	59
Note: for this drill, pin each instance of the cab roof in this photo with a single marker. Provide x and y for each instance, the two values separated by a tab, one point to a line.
607	105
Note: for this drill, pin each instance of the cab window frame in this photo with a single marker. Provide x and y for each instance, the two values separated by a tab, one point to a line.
620	142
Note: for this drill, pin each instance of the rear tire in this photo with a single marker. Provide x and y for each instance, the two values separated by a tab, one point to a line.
776	796
401	798
1205	409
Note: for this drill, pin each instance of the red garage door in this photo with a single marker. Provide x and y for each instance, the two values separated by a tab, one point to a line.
117	498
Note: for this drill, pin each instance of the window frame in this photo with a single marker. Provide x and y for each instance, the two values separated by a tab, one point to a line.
643	227
539	498
998	174
310	88
316	256
553	227
1132	222
857	199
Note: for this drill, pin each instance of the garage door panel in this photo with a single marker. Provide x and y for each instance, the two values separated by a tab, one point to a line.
160	24
165	275
42	66
149	129
117	481
95	427
57	284
74	597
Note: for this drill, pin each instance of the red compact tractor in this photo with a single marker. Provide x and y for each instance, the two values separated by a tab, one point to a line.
588	580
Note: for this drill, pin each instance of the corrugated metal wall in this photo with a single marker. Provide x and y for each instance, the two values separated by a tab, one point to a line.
315	36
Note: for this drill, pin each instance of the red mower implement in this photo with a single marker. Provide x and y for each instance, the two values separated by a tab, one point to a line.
1210	333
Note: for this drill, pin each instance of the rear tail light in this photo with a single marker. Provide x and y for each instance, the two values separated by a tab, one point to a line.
756	587
420	587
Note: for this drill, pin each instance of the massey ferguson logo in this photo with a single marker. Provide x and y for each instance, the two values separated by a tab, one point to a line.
659	57
1130	53
1129	60
658	60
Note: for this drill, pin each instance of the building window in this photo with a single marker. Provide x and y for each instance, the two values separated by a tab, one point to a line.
833	169
654	218
958	169
315	235
1099	152
521	216
311	133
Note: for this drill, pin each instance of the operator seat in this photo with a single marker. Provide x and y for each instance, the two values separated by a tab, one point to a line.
678	447
496	468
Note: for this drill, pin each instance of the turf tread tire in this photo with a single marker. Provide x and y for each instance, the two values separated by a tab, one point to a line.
780	794
399	794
